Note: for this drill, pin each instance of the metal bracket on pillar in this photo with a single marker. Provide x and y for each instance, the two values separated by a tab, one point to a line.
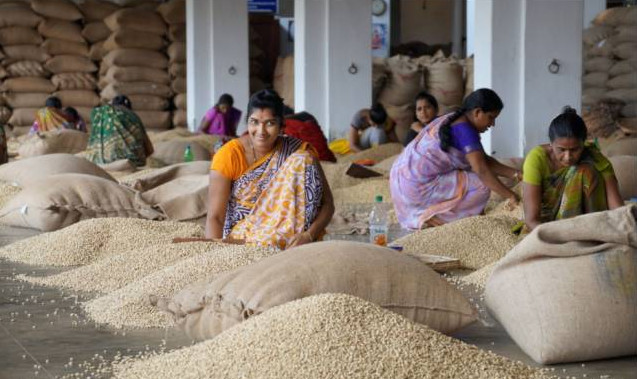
232	70
353	69
554	66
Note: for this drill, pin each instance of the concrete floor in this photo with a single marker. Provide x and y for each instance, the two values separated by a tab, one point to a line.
43	333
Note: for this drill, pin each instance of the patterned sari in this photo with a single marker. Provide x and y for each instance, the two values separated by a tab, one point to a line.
49	119
425	181
116	133
574	190
278	197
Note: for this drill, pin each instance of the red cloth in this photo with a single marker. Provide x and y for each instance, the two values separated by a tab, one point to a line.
310	132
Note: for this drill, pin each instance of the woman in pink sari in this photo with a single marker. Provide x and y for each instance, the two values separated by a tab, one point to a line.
444	174
222	119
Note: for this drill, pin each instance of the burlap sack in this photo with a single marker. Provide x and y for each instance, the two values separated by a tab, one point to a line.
624	34
625	167
178	85
135	74
74	81
5	114
599	120
602	49
595	79
97	10
444	82
19	16
62	200
283	80
26	171
177	52
120	166
180	101
96	31
17	53
469	78
177	32
629	110
158	120
172	152
78	98
629	17
133	39
595	34
403	83
380	275
626	50
54	46
624	146
137	19
609	17
181	199
135	88
55	142
85	113
60	9
173	11
403	116
25	99
22	116
627	95
97	52
623	67
135	57
148	103
170	173
64	30
599	64
624	81
70	63
379	76
177	70
567	292
628	126
180	118
19	35
27	85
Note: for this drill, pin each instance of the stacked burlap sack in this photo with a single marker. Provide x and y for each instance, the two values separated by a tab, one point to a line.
73	72
283	78
25	86
610	63
135	65
174	13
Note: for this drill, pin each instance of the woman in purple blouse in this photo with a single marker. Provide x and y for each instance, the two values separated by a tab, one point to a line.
222	119
444	174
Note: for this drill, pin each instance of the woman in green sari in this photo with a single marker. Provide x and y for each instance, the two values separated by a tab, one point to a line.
567	177
117	133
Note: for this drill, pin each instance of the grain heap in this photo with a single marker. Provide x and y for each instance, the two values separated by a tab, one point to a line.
479	277
129	306
26	85
328	336
376	154
174	13
89	240
115	271
73	71
365	192
7	192
386	164
135	65
335	174
476	241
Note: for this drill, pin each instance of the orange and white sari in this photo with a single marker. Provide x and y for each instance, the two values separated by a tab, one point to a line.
278	197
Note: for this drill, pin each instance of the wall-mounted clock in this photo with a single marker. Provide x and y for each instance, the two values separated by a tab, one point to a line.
379	7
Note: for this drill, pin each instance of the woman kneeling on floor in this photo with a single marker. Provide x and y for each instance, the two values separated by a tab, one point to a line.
567	177
265	188
444	174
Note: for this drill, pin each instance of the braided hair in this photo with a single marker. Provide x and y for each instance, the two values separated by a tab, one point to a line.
484	98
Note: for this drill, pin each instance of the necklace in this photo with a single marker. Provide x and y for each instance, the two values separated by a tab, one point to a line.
254	154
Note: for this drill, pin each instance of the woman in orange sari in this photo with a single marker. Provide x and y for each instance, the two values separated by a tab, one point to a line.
51	117
265	188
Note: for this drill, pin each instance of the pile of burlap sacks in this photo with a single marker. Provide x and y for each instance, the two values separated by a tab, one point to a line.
609	80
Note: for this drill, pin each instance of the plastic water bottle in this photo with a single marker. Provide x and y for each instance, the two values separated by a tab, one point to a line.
378	223
188	156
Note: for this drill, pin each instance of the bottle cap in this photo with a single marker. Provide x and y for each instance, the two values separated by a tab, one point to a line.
379	198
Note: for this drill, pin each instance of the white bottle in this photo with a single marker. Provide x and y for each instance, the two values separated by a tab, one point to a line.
378	223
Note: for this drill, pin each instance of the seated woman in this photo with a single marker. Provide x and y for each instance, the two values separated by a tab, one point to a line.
426	112
222	119
265	188
75	120
371	127
51	117
444	174
305	127
567	177
117	133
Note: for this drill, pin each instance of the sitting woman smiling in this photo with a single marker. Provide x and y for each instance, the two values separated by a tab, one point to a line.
265	188
567	177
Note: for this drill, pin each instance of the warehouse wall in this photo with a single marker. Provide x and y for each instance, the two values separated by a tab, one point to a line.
431	24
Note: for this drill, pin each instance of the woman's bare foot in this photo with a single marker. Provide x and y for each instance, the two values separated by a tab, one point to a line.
434	221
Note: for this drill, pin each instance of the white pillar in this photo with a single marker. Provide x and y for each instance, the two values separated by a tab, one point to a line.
591	9
512	57
458	26
331	37
470	20
217	55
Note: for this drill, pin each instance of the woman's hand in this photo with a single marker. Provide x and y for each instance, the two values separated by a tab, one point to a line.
512	202
301	239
